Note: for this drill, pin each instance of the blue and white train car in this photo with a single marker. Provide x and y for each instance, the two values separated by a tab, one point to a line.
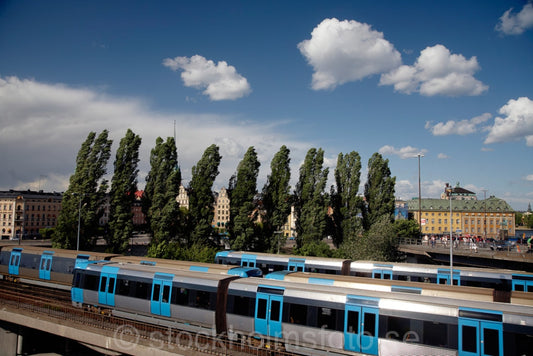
45	266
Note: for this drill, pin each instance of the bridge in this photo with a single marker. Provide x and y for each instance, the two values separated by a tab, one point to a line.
32	319
514	257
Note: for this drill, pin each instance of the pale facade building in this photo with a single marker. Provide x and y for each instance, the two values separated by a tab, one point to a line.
183	198
221	210
24	213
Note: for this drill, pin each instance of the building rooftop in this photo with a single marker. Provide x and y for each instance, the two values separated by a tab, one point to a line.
491	204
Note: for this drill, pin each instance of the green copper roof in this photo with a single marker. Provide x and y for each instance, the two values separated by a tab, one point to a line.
491	204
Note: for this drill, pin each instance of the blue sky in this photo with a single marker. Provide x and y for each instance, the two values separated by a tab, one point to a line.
451	80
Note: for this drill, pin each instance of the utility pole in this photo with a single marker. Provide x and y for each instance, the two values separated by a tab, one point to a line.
484	214
419	197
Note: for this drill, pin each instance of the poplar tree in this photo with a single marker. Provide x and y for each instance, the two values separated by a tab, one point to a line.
83	201
201	200
243	213
277	199
122	194
310	208
379	192
346	204
162	188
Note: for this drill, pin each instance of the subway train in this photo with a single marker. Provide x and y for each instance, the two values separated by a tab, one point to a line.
306	318
499	279
54	267
387	285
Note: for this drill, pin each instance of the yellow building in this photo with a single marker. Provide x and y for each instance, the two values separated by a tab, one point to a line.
490	218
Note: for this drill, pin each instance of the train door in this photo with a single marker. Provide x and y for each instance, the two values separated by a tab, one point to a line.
443	276
108	282
161	294
361	321
296	264
14	261
248	260
268	311
480	333
522	283
45	266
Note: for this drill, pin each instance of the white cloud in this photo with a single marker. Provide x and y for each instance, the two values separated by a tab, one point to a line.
463	127
516	124
403	153
486	149
345	51
43	126
516	24
529	177
442	156
437	72
221	81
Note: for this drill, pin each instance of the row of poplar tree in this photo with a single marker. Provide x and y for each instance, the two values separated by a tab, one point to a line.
359	228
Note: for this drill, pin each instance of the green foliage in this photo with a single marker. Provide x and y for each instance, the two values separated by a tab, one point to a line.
310	204
347	205
315	248
242	229
162	188
378	244
379	192
84	199
46	232
407	228
175	251
201	198
122	195
276	198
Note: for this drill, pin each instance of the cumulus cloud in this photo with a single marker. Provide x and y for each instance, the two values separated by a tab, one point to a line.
403	153
346	51
43	126
437	72
516	123
529	177
463	127
220	81
516	24
442	156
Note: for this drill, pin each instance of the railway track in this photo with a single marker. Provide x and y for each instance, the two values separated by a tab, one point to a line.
57	304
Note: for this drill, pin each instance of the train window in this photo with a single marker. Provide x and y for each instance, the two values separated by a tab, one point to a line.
240	305
123	287
353	322
491	340
327	318
469	338
142	290
103	283
166	293
297	314
261	308
91	282
203	300
111	288
77	280
155	294
181	295
369	324
275	310
43	264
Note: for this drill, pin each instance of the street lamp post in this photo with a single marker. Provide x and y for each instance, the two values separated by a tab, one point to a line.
449	190
484	214
419	197
79	219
